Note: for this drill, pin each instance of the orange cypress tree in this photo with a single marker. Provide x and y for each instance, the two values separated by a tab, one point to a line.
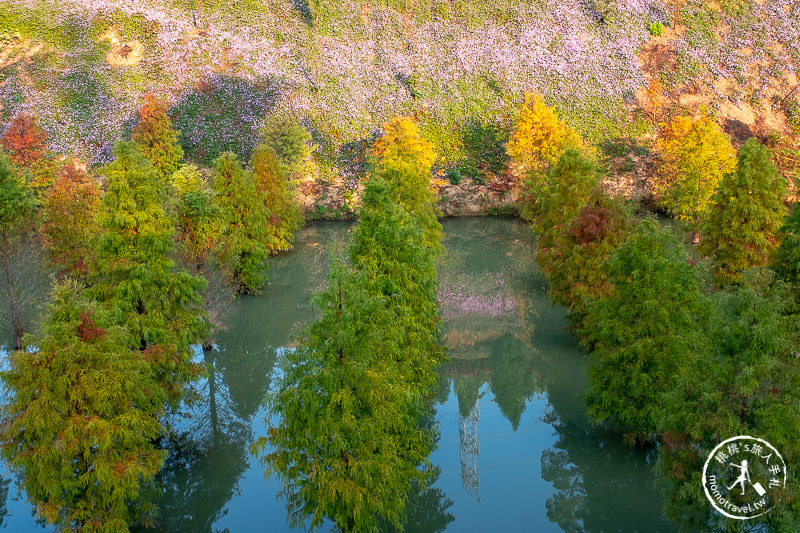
156	138
67	215
24	140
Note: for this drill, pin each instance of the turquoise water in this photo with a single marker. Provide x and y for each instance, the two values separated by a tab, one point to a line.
515	453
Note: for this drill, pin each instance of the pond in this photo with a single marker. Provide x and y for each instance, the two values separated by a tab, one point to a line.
515	453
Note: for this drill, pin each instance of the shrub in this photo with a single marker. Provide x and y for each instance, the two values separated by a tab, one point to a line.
656	29
290	140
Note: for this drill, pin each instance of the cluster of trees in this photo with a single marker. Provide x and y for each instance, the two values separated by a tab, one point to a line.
139	254
684	353
353	431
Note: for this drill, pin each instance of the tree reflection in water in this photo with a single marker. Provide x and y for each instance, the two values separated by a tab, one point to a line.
427	510
592	493
208	457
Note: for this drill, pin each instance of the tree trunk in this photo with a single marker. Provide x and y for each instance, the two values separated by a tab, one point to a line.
16	321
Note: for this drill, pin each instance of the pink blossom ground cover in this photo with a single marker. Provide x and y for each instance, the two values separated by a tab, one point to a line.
345	78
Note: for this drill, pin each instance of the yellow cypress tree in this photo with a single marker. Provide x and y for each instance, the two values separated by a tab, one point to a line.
403	158
539	137
695	154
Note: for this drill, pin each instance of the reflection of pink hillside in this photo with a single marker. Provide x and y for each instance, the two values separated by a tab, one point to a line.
478	297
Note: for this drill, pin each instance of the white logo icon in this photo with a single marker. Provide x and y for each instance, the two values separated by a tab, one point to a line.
739	475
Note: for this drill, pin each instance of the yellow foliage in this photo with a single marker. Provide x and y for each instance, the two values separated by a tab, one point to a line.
695	155
402	142
187	180
655	96
539	137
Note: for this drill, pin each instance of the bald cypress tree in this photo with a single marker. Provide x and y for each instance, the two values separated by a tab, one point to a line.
746	213
16	211
642	329
351	443
244	242
742	378
135	276
391	248
156	138
403	159
79	424
282	211
348	445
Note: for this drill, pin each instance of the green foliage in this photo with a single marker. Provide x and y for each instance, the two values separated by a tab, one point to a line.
656	29
272	187
135	276
135	26
389	245
16	201
792	111
454	176
290	140
16	210
786	257
199	220
738	9
695	155
79	424
68	220
569	236
567	187
741	378
40	23
156	139
746	214
348	445
485	144
244	241
574	262
642	330
403	159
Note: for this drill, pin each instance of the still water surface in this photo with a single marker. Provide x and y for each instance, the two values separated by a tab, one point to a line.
516	452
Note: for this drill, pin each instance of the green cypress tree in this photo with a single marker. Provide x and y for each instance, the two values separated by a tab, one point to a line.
156	138
282	210
200	227
348	445
244	243
16	210
746	214
742	377
79	425
136	277
574	262
568	186
642	330
199	220
290	141
390	247
403	160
